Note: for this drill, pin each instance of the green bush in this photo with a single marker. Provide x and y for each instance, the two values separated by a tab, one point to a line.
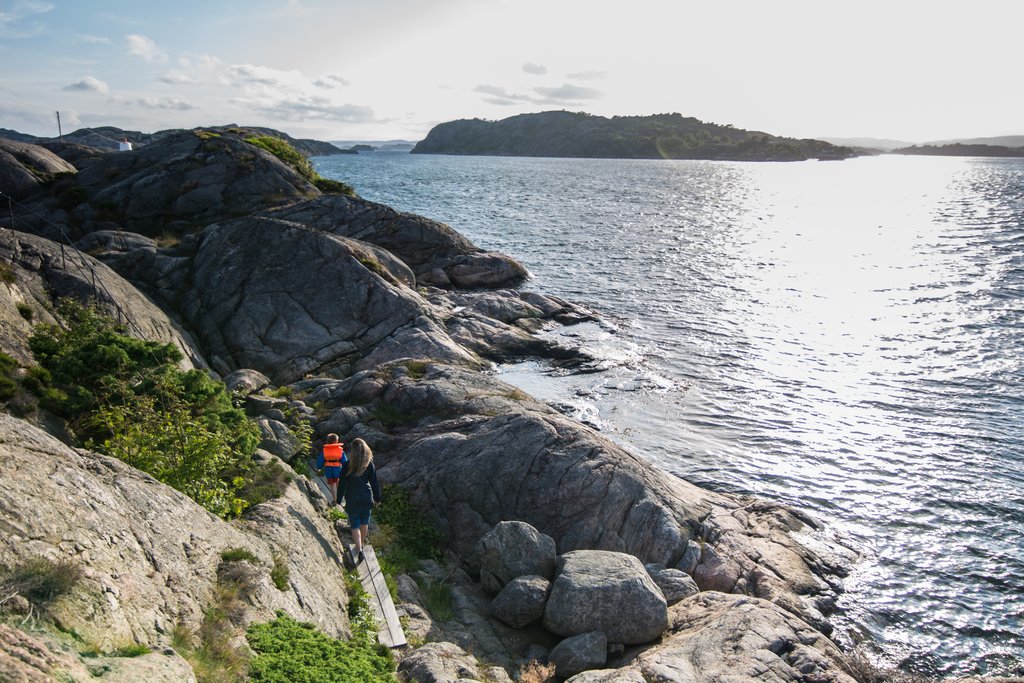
289	155
412	537
288	651
280	573
127	398
239	554
25	310
329	186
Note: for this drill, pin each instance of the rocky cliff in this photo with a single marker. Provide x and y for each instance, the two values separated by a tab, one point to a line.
387	323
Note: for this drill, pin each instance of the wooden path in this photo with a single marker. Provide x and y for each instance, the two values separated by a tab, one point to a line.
389	629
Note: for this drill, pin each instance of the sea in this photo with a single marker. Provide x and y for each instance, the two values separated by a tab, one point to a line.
845	337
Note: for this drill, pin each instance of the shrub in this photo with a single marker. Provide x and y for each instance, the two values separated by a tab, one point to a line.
288	650
329	186
289	155
280	573
133	650
6	273
535	672
414	537
438	598
239	554
25	310
40	581
127	398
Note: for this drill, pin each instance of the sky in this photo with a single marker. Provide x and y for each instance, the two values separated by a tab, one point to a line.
392	69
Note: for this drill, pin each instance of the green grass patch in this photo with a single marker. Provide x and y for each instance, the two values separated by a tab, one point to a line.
288	651
437	598
6	273
133	650
280	573
25	311
239	554
407	536
336	513
291	156
329	186
206	134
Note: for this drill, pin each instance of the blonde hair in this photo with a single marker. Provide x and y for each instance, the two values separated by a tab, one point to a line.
359	457
332	438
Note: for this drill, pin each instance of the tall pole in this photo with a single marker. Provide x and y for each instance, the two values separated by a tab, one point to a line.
60	133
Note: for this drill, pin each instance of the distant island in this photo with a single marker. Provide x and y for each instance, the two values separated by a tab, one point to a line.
660	136
958	149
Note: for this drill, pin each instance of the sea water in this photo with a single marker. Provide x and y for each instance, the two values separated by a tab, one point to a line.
844	337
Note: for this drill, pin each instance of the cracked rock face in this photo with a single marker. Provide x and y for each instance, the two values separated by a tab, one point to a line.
23	166
150	555
286	300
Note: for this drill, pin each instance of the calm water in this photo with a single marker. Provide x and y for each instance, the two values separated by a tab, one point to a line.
845	337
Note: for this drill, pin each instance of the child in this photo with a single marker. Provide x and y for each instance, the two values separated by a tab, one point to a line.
331	458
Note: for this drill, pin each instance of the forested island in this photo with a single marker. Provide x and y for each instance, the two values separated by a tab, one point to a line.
962	150
660	136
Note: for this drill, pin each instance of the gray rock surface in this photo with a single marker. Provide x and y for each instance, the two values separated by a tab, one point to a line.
512	549
717	637
436	254
246	381
611	676
150	555
579	653
276	438
23	166
42	273
439	663
594	589
286	300
521	602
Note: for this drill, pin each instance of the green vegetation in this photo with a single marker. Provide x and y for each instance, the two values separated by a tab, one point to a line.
239	554
206	134
289	155
133	650
6	273
40	581
438	598
127	398
417	368
25	310
288	650
279	392
661	136
410	537
336	513
280	573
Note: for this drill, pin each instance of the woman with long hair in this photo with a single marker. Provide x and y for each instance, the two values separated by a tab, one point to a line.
360	490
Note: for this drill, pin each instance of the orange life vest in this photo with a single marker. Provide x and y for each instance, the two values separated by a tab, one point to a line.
332	455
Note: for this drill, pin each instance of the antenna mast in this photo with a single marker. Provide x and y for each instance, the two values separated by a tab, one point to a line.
60	133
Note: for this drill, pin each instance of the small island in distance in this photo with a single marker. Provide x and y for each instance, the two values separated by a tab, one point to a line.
659	136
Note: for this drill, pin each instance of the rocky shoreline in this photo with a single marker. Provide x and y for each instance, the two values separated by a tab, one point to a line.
384	325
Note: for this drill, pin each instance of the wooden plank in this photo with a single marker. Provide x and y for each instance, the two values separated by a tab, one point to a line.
389	628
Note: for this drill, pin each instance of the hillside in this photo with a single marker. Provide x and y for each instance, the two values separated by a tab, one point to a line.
106	138
962	150
661	136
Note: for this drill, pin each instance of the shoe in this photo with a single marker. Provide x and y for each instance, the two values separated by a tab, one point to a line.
361	557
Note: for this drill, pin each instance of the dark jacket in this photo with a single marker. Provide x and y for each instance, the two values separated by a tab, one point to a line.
361	492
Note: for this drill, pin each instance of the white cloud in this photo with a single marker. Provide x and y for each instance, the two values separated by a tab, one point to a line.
330	81
567	93
535	69
141	46
588	75
88	84
16	21
264	75
174	78
301	108
174	103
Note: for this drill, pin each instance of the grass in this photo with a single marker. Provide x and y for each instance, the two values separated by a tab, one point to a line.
6	273
279	573
437	596
279	392
417	368
414	538
336	513
289	155
40	581
25	310
239	554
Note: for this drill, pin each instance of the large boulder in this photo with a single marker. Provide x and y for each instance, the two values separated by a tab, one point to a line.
521	602
150	556
674	583
595	589
579	653
513	549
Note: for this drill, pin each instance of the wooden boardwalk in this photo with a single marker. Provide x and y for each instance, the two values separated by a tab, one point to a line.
389	629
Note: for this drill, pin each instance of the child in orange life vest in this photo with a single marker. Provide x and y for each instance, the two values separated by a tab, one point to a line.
360	490
331	458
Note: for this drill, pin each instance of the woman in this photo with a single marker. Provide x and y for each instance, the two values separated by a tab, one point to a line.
359	488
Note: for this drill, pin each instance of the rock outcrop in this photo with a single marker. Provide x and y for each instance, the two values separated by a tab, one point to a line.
150	555
23	167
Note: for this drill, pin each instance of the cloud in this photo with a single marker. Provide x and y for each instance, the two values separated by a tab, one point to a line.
330	81
567	93
301	108
16	22
174	78
535	69
240	74
174	103
141	46
588	75
88	84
